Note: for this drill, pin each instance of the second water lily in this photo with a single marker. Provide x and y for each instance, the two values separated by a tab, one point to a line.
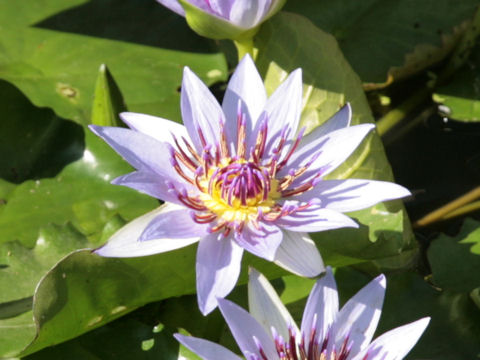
326	333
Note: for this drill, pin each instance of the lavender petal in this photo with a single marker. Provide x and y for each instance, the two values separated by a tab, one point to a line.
218	267
124	243
298	254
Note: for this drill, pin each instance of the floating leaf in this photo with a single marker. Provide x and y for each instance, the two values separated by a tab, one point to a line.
91	290
460	98
58	69
388	40
81	193
20	270
289	41
455	261
126	338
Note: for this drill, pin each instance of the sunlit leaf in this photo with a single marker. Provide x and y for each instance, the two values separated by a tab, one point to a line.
290	41
460	98
57	67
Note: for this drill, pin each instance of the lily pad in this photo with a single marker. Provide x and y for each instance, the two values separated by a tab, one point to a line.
126	338
35	143
20	270
58	69
388	40
289	41
81	193
91	290
455	261
460	98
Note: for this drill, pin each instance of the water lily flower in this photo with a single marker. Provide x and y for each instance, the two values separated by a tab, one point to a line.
240	176
225	19
270	333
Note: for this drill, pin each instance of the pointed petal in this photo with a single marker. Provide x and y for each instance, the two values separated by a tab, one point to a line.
176	224
142	152
397	343
249	13
341	119
200	110
245	329
353	194
333	148
314	219
245	86
173	5
156	127
359	317
284	108
147	182
260	242
322	304
266	307
206	349
218	267
124	243
298	254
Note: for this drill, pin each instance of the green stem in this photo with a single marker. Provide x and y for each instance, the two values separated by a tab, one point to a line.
245	47
473	206
398	114
443	212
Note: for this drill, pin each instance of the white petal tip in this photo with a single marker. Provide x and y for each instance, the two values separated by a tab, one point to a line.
381	280
247	58
208	306
95	129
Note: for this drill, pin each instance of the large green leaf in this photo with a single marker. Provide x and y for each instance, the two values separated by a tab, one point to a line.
58	69
126	338
461	96
81	193
389	39
20	270
35	143
289	41
91	290
455	261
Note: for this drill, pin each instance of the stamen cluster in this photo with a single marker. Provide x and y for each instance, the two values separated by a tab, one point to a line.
241	187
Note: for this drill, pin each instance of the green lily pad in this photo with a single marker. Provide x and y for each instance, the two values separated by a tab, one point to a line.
388	40
58	69
22	267
454	330
35	143
455	261
20	270
459	99
289	41
91	290
126	338
81	193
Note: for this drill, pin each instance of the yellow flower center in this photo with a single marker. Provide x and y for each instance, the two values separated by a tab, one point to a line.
239	191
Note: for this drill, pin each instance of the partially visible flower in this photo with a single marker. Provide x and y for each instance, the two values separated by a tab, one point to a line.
270	333
242	177
225	19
